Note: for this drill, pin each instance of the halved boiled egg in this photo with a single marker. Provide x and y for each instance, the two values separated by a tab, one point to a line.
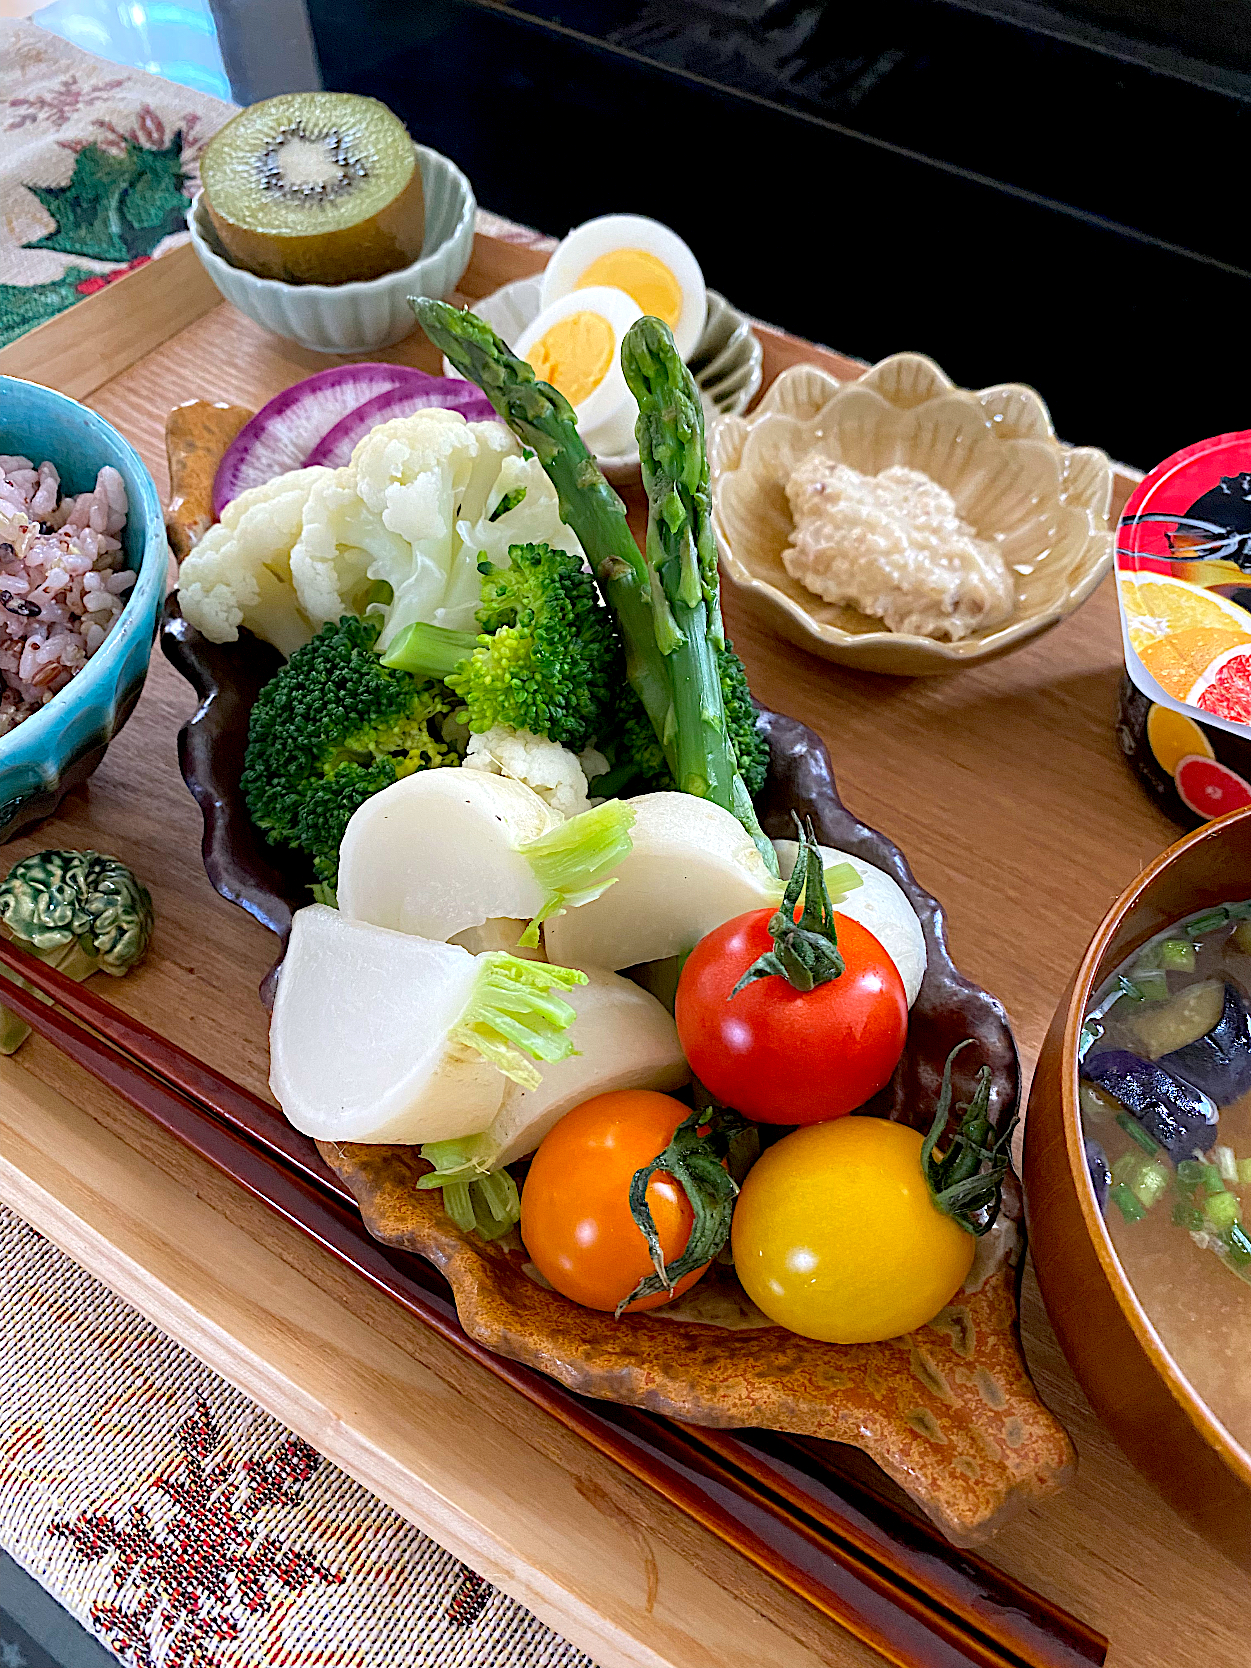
575	344
640	256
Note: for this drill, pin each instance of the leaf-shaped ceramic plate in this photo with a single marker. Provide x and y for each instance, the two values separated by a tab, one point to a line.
995	451
949	1412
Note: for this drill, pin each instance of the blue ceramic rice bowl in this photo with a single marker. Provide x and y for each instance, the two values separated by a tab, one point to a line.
60	745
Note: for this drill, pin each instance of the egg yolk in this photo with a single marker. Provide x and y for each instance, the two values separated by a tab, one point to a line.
646	280
574	355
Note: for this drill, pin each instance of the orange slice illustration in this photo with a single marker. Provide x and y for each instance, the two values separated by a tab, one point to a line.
1159	611
1176	661
1173	737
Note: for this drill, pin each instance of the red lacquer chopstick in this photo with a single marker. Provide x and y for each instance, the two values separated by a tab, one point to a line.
846	1565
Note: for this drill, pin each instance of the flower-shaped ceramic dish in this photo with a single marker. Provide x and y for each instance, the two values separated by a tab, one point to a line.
995	451
728	361
355	318
59	746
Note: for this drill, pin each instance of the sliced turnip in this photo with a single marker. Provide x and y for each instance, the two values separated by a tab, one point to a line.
624	1039
285	431
446	850
453	394
692	867
381	1036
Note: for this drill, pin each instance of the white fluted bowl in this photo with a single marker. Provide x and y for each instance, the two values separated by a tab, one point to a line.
374	313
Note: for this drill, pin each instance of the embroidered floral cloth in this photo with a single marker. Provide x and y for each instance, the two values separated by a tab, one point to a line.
187	1529
97	166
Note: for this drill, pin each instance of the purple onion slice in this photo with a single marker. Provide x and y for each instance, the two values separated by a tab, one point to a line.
284	432
335	448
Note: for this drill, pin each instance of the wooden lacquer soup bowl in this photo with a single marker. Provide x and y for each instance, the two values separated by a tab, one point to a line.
1132	1381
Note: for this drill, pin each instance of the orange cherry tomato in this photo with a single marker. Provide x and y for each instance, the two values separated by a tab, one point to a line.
575	1204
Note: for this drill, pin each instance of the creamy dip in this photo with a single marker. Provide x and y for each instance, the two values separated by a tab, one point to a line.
893	546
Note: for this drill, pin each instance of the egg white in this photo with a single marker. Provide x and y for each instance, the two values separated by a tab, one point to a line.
586	243
607	416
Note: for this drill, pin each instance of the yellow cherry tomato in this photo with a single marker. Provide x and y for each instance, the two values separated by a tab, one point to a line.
836	1237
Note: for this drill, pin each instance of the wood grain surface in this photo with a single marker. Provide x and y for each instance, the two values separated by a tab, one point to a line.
1005	788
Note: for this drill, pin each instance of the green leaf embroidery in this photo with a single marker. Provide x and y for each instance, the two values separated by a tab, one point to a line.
116	207
23	306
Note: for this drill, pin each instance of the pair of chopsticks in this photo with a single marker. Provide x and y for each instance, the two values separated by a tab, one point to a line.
835	1560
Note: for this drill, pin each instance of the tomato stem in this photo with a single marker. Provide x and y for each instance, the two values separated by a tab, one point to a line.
805	952
966	1181
694	1159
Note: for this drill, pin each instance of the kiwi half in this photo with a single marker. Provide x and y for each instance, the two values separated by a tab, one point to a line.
315	188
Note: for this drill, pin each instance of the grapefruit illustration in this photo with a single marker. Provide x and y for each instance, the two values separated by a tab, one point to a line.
1224	687
1209	788
1173	737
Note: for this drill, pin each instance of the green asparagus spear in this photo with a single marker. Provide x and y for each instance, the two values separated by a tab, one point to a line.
682	557
680	551
543	420
666	604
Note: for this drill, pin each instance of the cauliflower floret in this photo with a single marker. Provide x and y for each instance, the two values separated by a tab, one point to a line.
415	475
552	771
240	571
340	540
414	508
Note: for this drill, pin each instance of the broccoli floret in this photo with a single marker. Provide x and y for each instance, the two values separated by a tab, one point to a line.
637	759
547	659
81	912
331	729
750	746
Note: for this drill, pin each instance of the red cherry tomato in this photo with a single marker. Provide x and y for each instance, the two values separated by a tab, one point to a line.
784	1056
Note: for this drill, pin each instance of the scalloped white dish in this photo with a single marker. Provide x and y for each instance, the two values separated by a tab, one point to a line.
728	361
1045	504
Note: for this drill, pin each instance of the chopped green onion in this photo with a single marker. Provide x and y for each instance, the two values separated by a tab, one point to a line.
1153	987
1226	1163
1221	1210
1209	922
1211	1180
1152	1183
1137	1133
1090	1034
1190	1172
1244	1170
1127	1203
1177	955
1127	1168
1238	1245
1128	989
1186	1215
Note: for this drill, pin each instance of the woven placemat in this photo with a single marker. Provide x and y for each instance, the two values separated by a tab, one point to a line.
185	1528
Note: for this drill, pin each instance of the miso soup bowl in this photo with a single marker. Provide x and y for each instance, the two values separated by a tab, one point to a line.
1132	1381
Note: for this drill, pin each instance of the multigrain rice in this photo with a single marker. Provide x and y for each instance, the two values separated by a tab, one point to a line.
63	582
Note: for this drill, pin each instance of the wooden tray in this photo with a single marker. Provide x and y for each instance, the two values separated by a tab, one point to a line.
975	780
